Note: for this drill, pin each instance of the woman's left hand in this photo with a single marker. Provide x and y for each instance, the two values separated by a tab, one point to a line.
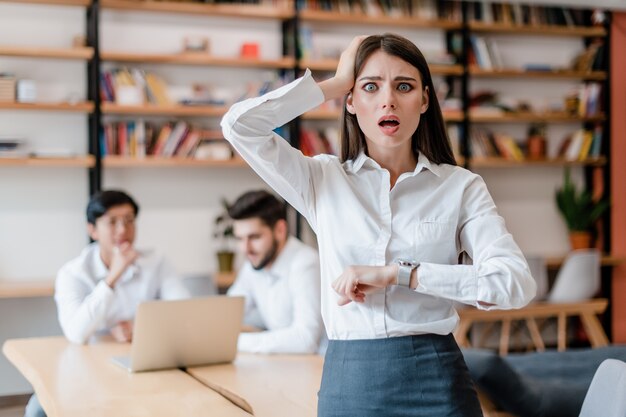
357	281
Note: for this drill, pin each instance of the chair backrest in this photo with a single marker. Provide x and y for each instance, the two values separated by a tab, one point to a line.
539	271
606	396
579	277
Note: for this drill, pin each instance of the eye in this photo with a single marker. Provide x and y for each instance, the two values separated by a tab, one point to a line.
404	87
369	87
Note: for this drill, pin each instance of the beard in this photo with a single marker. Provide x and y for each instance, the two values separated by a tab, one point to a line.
269	257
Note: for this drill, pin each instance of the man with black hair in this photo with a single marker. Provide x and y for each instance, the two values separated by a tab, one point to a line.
99	291
280	280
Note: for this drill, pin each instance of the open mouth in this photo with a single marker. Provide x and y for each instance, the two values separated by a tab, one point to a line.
388	123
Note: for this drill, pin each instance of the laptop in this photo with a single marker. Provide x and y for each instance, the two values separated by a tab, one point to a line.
182	333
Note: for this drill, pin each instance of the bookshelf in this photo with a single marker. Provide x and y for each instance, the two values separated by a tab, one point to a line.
556	162
179	195
52	159
556	74
533	118
544	30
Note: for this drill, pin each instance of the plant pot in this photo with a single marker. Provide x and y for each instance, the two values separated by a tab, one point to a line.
580	240
225	261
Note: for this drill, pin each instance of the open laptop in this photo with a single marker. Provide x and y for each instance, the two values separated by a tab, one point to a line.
181	333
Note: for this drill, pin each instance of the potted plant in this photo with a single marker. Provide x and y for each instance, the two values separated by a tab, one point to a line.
223	234
579	210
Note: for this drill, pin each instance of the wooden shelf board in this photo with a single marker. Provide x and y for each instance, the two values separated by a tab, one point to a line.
23	289
81	3
84	53
495	162
533	117
87	161
329	64
84	107
197	59
554	262
165	162
361	19
227	10
538	29
519	73
170	110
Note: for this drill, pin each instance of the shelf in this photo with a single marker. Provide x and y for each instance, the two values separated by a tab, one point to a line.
192	8
495	162
330	64
82	53
69	162
360	19
533	117
325	114
538	29
26	289
554	262
165	162
197	59
519	73
171	110
84	107
81	3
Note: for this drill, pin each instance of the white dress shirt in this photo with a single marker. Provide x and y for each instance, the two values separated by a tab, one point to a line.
286	296
431	215
87	305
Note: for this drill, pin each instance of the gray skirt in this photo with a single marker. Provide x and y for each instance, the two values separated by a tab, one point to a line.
423	375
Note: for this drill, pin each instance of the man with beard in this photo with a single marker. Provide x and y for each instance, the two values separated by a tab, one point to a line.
280	279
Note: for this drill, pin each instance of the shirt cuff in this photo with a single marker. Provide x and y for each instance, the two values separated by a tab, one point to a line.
455	282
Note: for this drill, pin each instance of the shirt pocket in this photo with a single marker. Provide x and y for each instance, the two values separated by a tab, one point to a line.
435	241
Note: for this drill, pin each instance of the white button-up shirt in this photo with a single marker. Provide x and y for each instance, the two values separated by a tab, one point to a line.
87	305
286	296
431	215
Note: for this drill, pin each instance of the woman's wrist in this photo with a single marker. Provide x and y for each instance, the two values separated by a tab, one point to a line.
334	88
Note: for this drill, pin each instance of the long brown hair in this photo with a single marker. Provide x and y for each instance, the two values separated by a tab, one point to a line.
430	137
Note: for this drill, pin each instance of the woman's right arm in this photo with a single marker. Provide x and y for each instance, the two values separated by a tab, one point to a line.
249	127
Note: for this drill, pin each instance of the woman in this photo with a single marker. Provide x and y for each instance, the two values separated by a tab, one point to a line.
392	216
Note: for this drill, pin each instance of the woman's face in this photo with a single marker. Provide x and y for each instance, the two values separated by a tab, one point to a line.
388	99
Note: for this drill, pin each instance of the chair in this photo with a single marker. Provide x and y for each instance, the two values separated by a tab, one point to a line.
578	278
576	283
606	396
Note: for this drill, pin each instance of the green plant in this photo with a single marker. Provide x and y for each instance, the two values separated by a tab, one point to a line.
578	208
223	228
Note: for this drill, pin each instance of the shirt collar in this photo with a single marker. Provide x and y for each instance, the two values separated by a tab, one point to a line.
422	163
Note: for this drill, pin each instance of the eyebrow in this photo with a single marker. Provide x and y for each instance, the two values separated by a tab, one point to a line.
378	78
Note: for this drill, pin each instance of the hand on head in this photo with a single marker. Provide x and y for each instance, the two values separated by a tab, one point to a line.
343	81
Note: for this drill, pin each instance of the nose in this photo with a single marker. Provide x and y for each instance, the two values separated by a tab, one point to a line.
389	99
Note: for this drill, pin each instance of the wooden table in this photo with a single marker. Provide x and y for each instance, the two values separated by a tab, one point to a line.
268	386
72	380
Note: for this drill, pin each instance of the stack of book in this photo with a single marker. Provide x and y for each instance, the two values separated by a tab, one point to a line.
150	87
7	87
521	14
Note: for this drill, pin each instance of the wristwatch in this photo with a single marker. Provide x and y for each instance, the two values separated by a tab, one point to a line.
405	268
